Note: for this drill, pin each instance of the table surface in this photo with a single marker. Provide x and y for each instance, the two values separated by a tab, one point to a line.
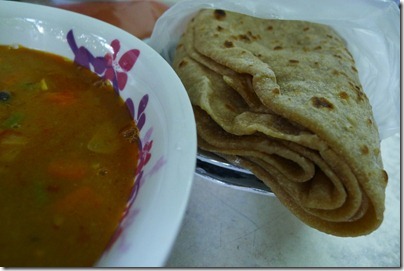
226	227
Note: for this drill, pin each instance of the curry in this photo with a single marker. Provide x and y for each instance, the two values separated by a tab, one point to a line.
68	156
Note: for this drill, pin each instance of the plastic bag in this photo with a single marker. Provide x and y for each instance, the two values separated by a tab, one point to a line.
371	29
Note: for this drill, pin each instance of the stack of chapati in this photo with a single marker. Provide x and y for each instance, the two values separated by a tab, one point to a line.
283	99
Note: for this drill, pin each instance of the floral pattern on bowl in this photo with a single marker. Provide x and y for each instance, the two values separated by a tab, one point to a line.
114	70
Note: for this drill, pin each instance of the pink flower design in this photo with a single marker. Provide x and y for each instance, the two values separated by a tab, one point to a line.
109	67
116	69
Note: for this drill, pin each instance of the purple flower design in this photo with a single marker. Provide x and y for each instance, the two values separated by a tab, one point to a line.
114	70
145	147
145	144
108	66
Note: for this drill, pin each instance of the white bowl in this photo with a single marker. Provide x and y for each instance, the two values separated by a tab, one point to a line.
155	211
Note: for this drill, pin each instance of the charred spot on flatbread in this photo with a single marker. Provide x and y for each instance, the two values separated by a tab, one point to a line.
219	14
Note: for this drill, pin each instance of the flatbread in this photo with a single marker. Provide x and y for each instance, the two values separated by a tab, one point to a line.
283	99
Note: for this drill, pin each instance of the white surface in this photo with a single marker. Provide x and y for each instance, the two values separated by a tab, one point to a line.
225	227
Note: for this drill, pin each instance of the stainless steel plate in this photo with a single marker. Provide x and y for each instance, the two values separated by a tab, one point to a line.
215	168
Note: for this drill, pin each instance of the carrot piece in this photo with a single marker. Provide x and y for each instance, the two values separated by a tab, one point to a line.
12	138
68	170
80	200
61	97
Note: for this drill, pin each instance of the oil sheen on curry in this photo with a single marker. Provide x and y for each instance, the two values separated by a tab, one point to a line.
68	156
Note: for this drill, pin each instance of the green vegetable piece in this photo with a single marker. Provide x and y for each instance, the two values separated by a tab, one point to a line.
14	121
40	193
105	139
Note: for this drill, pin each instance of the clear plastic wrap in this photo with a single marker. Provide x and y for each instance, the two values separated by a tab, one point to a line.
371	29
